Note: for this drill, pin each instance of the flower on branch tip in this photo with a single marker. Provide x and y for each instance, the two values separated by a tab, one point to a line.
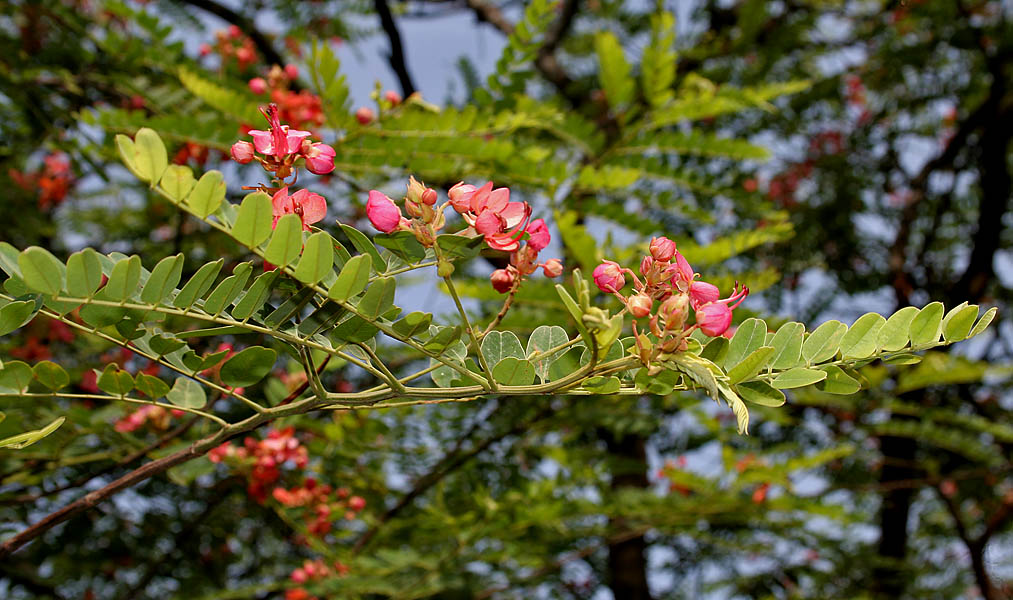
382	212
460	196
701	292
319	157
608	276
491	213
662	249
310	207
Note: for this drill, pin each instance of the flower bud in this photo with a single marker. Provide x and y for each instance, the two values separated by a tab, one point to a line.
639	305
258	85
291	71
701	292
645	265
683	270
413	209
502	280
382	212
415	189
460	196
429	197
393	97
552	267
319	158
674	311
242	152
608	276
365	115
714	318
662	249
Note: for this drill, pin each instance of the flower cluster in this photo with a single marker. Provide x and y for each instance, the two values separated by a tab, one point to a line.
52	182
231	43
156	416
263	458
669	279
312	570
302	109
280	147
488	212
321	510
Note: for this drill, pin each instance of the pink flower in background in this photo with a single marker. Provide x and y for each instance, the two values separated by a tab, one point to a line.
310	207
258	85
382	212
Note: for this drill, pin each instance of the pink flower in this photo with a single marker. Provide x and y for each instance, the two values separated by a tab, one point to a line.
502	280
701	292
645	265
291	71
258	85
639	305
538	235
552	267
365	115
393	97
309	206
319	158
683	272
662	249
714	318
356	503
382	212
608	276
204	49
460	196
242	152
674	311
279	140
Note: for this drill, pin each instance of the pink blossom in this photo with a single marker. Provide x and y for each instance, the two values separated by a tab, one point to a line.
204	49
279	140
645	265
639	305
309	206
242	152
393	97
502	280
714	318
683	272
608	276
365	115
382	212
701	292
460	196
319	158
552	267
538	235
662	249
258	85
291	71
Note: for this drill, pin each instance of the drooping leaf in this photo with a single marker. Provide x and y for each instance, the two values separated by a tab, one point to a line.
16	442
187	393
760	393
248	366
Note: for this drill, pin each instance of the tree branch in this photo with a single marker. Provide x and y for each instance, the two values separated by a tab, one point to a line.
396	56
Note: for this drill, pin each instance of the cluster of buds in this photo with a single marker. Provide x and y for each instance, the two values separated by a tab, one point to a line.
263	459
488	212
279	147
669	280
321	509
310	571
302	109
230	43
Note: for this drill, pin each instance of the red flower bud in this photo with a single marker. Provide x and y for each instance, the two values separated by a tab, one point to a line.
502	280
242	152
393	97
662	249
258	85
365	115
552	267
639	305
608	276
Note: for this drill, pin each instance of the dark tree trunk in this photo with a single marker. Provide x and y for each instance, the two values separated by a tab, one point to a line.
889	577
627	562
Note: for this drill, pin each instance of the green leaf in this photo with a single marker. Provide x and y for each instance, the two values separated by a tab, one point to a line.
603	385
354	329
41	271
983	322
51	375
363	245
163	280
402	244
838	382
151	386
322	318
198	284
822	344
657	65
497	345
378	299
253	223
514	371
177	181
352	280
317	259
657	385
862	339
614	73
228	290
16	375
459	247
187	393
16	442
787	343
196	362
798	377
716	350
750	335
150	156
413	323
84	273
248	366
208	194
957	323
575	313
902	359
124	279
927	325
444	336
542	339
895	332
114	381
165	343
750	365
286	242
128	154
256	296
13	316
760	393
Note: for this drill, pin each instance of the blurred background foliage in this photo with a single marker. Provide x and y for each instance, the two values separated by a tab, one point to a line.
839	155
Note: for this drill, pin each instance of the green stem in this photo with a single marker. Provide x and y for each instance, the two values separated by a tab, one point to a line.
74	396
475	345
